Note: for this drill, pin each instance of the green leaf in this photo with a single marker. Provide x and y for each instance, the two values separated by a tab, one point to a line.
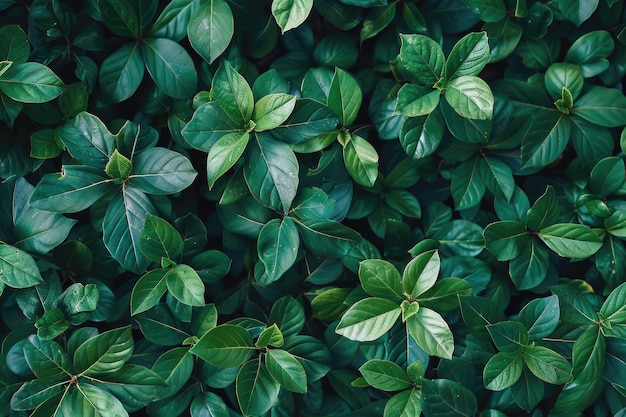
208	404
545	139
17	268
134	385
488	10
185	285
571	240
431	332
509	336
468	56
421	136
506	239
286	370
290	14
614	307
544	211
385	375
79	301
170	66
209	123
173	21
32	394
577	11
46	359
120	17
92	401
270	336
547	365
563	75
377	20
503	370
380	278
589	49
368	319
148	290
272	110
88	140
528	391
118	167
467	185
497	176
277	247
602	106
345	97
415	100
162	171
607	176
444	295
174	367
231	90
159	239
541	317
105	353
447	397
226	346
588	355
15	46
361	161
210	29
51	324
31	82
122	72
256	389
404	404
479	312
470	97
122	224
421	273
272	173
422	57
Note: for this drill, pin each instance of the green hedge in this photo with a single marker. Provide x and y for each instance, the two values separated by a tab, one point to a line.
312	208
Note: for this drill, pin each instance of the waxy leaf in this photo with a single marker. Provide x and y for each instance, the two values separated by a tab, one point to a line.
420	136
577	11
602	106
503	370
30	82
541	317
46	359
588	355
32	394
447	397
421	273
506	239
571	240
468	56
148	291
385	375
431	332
290	14
104	353
134	385
185	285
122	72
404	404
88	140
161	171
277	247
545	211
547	365
422	57
225	346
344	97
231	90
256	389
170	66
368	319
209	123
211	29
17	268
286	370
509	336
470	97
380	278
120	17
92	401
159	239
361	161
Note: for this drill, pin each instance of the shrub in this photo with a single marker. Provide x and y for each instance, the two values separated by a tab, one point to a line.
312	207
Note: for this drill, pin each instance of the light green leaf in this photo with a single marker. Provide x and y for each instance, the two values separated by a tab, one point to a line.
385	375
226	346
31	82
421	273
415	100
614	307
277	246
547	365
257	391
17	268
209	123
170	66
577	11
231	90
470	97
571	240
506	239
159	239
104	353
270	336
286	370
422	57
380	278
361	160
290	14
431	333
211	29
468	56
421	136
271	173
162	171
92	401
503	370
148	290
122	72
404	404
124	218
185	285
118	167
272	110
563	74
368	319
345	97
224	154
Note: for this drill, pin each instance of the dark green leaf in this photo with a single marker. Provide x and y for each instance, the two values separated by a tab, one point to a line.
104	353
422	57
159	239
46	359
588	355
344	97
544	211
488	10
148	291
377	20
134	385
421	136
467	186
170	66
509	336
226	346
256	390
15	46
211	29
231	90
361	161
208	404
17	268
446	397
34	393
209	123
277	247
503	370
120	17
122	72
162	171
577	11
547	365
506	239
541	316
544	139
88	140
30	82
286	370
602	106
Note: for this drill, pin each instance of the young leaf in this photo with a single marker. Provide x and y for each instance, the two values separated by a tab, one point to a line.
431	332
277	246
361	161
226	346
547	365
159	239
170	66
404	404
420	273
385	375
211	29
368	319
470	97
468	56
415	100
185	285
286	370
104	353
31	82
148	291
503	370
290	14
272	110
345	97
571	240
380	278
231	90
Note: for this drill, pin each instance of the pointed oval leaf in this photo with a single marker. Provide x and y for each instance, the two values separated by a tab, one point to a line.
162	171
503	370
422	57
226	346
415	100
385	375
231	90
122	72
602	106
272	110
46	359
290	14
208	404
148	291
256	390
277	246
361	161
541	317
571	240
211	29
588	355
344	97
420	273
88	140
104	353
380	278
547	365
92	401
506	239
31	82
209	123
468	56
17	268
421	136
159	239
32	394
544	211
404	404
286	370
470	97
431	333
170	66
184	283
368	319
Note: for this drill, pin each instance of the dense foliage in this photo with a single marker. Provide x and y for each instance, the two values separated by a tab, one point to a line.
312	207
